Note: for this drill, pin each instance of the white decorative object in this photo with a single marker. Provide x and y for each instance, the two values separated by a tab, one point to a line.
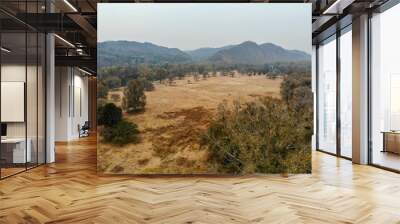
19	155
12	101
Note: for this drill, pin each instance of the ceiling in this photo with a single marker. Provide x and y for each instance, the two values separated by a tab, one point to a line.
75	21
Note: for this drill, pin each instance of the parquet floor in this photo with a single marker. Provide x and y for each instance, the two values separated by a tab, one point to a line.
70	191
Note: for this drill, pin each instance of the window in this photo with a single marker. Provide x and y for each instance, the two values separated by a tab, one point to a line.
385	89
327	96
346	93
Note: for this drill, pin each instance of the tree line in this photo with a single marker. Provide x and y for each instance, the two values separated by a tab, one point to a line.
119	76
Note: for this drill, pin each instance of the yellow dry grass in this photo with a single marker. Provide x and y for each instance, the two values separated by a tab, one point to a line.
174	118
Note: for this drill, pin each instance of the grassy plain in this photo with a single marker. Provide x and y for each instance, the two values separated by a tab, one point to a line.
175	116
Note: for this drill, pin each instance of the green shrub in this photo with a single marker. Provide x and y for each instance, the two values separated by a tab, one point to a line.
109	115
101	102
120	134
295	87
99	115
263	136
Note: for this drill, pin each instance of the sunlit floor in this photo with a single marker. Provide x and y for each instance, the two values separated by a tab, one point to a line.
386	159
5	172
71	191
11	170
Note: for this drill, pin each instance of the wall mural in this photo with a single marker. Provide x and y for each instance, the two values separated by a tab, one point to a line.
204	88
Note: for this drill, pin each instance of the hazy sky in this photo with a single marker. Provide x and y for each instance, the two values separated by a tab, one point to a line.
189	26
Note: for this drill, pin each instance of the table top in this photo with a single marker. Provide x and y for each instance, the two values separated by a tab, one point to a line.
391	132
13	140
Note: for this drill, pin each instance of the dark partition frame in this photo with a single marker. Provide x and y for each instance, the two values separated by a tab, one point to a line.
333	37
40	60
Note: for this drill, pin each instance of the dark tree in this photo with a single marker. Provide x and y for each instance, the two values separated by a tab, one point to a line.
134	97
120	134
109	115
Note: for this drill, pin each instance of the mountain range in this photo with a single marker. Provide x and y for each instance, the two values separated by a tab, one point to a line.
131	52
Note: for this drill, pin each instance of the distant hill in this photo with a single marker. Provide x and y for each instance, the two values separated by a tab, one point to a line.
131	52
202	54
251	53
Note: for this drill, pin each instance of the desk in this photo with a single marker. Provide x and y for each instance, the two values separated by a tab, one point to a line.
13	150
391	141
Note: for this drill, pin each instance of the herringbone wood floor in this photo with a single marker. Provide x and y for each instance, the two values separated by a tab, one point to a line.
70	191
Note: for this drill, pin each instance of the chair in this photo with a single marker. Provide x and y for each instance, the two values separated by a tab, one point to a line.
84	130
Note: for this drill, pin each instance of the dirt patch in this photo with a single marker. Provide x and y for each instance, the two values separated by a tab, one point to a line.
117	169
184	134
143	162
193	114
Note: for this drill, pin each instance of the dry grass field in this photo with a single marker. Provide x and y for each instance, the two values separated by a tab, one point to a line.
174	118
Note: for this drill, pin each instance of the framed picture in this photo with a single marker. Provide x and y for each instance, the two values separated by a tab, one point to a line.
204	88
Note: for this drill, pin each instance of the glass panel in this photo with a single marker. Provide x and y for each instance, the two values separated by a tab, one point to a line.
314	88
386	89
23	90
41	99
31	98
13	86
346	94
327	97
31	88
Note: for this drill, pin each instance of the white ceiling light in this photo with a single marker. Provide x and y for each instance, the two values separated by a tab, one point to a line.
338	6
64	40
70	5
79	51
86	72
332	7
5	50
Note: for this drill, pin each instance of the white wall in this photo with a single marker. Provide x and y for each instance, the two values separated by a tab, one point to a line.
71	102
16	73
80	112
62	82
11	73
33	127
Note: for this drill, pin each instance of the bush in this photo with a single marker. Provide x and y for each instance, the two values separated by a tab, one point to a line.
296	86
109	115
101	102
263	136
121	134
